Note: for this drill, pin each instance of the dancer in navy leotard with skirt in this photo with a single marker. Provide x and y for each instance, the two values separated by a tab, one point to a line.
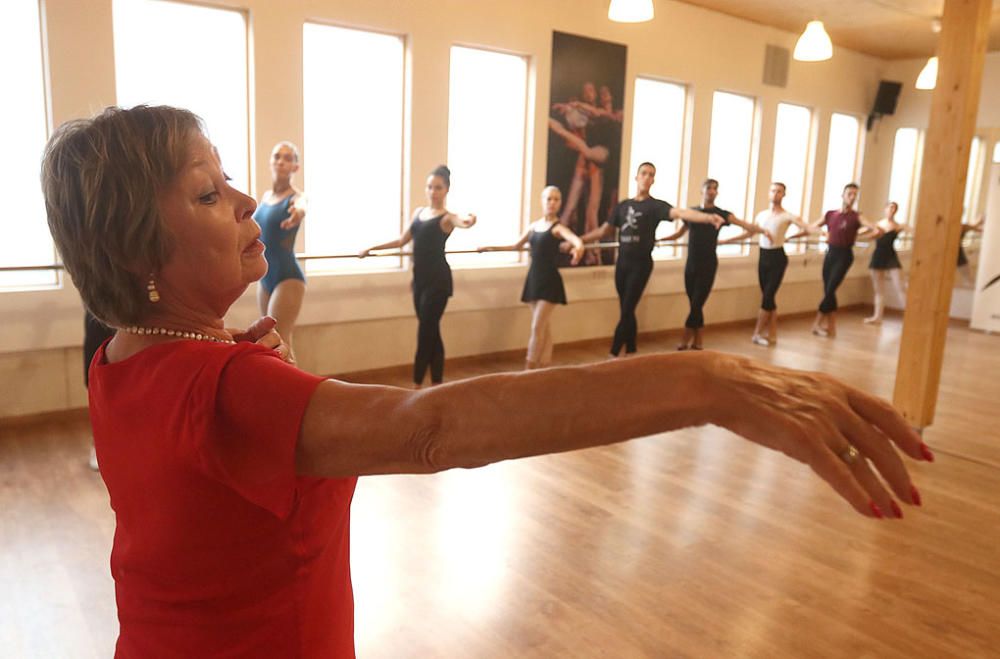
280	214
885	261
543	287
431	284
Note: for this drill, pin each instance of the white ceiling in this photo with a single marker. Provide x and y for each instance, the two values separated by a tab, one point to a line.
890	29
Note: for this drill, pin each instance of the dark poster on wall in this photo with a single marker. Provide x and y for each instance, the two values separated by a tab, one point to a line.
585	131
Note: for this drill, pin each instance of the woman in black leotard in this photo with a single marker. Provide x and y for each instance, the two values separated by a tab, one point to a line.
885	262
702	261
431	285
543	287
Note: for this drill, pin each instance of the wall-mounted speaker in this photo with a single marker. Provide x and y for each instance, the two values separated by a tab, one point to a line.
885	100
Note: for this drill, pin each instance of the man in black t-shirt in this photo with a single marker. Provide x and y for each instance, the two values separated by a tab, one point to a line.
702	261
636	220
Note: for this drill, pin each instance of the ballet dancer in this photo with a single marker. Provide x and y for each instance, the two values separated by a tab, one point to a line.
280	214
432	283
885	261
703	262
636	220
543	287
772	261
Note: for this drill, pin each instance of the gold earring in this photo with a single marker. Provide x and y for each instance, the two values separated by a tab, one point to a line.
154	295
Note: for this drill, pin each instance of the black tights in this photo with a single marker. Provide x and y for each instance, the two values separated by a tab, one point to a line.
699	275
429	304
837	262
770	272
631	276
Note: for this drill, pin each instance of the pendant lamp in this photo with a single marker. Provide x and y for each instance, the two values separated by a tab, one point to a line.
928	75
814	44
631	11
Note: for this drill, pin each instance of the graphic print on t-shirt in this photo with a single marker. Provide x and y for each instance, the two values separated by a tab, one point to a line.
630	230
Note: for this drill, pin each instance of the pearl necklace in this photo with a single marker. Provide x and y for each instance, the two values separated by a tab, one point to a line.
181	334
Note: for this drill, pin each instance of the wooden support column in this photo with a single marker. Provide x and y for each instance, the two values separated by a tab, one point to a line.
954	106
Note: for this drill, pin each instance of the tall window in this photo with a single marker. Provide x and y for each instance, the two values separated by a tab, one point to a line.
996	153
487	98
973	181
658	137
23	133
729	158
903	181
791	153
190	56
841	158
353	106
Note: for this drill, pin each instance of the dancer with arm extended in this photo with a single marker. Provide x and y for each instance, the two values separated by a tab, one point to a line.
432	283
884	263
842	228
963	260
772	261
702	261
636	220
280	214
543	287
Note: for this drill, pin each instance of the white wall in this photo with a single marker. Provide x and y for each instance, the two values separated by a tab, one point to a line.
353	322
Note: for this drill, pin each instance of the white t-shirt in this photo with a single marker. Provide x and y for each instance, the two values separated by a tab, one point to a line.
774	223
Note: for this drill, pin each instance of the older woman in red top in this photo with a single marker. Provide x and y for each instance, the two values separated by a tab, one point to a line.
231	472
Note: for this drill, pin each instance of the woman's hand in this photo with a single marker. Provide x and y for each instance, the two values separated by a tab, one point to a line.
577	253
262	332
295	216
363	253
842	433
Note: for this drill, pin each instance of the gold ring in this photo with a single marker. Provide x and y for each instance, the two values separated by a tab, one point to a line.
849	455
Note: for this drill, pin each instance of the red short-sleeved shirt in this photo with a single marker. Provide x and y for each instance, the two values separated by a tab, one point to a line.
220	549
842	228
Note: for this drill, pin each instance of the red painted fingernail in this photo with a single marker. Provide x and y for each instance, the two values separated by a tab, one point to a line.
896	509
926	452
876	510
915	496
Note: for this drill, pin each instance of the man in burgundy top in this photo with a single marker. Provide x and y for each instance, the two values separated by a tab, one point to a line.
231	472
841	232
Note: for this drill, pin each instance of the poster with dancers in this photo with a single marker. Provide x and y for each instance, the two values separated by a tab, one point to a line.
585	132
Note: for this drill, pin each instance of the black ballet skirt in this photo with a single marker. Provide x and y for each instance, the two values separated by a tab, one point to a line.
962	258
884	257
544	281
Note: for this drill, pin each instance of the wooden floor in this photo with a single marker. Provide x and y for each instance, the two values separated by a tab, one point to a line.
692	544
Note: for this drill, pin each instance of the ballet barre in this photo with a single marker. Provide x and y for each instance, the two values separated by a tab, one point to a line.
399	254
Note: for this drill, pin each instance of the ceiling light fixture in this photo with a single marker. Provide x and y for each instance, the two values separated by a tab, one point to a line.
928	75
631	11
814	45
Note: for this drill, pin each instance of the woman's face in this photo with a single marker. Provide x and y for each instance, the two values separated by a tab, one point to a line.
216	251
890	210
589	93
283	163
607	100
436	191
551	201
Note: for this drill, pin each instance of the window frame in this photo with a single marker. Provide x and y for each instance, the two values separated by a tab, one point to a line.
668	252
527	142
400	262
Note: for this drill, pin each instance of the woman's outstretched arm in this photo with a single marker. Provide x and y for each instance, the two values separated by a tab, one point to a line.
352	429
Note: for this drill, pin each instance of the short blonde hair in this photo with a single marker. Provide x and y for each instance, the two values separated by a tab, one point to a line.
101	178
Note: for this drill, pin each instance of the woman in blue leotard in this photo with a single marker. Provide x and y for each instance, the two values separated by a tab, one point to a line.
280	213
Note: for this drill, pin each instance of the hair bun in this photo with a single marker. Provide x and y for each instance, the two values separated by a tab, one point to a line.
444	173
